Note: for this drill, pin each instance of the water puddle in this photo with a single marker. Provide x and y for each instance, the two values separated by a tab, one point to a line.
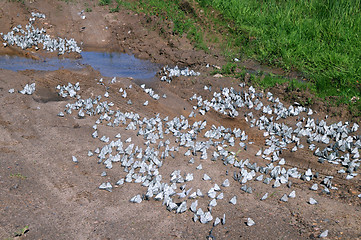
110	64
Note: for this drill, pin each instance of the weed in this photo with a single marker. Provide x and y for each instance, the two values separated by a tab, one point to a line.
291	86
124	4
104	2
68	1
215	71
229	68
115	9
271	195
88	9
19	1
21	231
355	108
18	175
309	101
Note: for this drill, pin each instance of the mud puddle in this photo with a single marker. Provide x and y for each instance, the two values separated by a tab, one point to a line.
109	64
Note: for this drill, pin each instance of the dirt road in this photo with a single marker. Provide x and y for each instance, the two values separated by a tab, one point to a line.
42	188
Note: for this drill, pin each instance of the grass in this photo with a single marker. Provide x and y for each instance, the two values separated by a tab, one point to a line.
19	233
228	68
263	80
19	1
87	7
272	194
182	16
68	1
104	2
317	37
18	175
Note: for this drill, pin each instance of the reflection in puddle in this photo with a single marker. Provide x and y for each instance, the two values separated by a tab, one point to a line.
109	64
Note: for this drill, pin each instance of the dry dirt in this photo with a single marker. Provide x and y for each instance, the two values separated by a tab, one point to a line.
42	188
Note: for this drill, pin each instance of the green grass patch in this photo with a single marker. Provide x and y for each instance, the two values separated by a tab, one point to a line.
317	37
104	2
229	68
181	14
266	81
114	9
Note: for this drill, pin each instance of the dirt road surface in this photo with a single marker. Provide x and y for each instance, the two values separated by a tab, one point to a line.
42	188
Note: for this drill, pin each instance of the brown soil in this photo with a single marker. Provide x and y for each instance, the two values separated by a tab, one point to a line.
42	188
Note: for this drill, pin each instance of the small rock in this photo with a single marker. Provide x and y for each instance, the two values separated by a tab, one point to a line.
218	75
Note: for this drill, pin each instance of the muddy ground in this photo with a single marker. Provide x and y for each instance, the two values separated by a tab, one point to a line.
40	186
